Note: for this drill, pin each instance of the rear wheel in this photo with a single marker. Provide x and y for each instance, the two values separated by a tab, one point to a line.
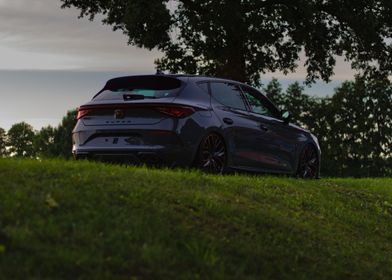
212	154
308	165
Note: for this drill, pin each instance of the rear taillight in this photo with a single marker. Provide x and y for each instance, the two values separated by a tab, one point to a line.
83	112
176	111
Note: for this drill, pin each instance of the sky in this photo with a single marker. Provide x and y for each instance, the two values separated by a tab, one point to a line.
51	62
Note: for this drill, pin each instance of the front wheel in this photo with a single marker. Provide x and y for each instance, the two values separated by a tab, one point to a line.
308	164
212	154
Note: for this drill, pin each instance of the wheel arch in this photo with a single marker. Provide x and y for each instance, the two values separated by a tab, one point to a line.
301	149
217	131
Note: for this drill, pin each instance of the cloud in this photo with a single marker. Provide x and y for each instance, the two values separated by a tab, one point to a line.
41	27
342	71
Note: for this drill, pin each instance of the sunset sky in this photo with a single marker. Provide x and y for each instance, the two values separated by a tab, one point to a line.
51	61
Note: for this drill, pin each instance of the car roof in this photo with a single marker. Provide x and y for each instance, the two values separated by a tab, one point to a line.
198	78
184	77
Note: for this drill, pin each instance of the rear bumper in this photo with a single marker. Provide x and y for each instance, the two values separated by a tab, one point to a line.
172	142
134	146
159	155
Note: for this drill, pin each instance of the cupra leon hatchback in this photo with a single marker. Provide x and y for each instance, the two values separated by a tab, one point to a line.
193	121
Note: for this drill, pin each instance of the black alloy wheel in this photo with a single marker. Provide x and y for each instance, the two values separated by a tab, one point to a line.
308	166
212	155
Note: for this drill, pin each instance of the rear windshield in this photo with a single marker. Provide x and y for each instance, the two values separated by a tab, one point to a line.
146	93
145	87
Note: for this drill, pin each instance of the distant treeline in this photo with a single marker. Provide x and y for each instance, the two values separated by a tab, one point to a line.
22	140
354	127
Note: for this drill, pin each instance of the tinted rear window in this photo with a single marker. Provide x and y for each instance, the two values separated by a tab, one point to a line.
147	93
147	86
228	94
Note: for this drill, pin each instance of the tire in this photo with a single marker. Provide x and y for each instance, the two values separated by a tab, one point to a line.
308	163
212	154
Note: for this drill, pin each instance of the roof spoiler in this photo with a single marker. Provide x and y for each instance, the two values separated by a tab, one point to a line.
151	82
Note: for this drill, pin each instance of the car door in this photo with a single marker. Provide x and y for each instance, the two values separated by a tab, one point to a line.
231	108
275	141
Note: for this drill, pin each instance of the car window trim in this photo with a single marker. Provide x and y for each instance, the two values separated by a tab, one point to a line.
243	97
266	118
269	105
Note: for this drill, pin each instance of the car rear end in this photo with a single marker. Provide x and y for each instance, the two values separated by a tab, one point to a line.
136	120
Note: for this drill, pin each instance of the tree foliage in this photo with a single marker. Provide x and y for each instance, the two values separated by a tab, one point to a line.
20	139
3	143
44	142
240	39
361	127
299	104
354	127
274	92
56	142
63	135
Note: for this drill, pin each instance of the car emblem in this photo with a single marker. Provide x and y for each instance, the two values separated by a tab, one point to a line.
119	114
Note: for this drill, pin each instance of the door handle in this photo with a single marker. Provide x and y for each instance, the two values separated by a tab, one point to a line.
264	128
228	121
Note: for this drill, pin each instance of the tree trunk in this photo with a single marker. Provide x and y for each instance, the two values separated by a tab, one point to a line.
233	65
234	68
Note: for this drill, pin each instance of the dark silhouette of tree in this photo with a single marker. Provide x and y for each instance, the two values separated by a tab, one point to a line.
49	142
241	39
63	135
44	142
20	138
3	139
360	139
354	127
274	92
299	104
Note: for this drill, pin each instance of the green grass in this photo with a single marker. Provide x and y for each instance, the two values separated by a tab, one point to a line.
86	220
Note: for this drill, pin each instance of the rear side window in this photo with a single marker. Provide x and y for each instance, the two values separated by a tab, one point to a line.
140	87
260	104
228	94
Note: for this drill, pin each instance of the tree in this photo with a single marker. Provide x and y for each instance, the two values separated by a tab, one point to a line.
240	39
3	139
274	92
44	142
361	127
63	135
299	104
354	126
20	139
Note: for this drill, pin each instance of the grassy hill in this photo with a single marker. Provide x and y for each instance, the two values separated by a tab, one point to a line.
88	220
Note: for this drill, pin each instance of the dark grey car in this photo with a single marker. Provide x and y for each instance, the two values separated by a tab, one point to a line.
182	120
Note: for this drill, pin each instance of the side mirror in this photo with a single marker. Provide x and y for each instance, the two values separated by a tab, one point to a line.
286	117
